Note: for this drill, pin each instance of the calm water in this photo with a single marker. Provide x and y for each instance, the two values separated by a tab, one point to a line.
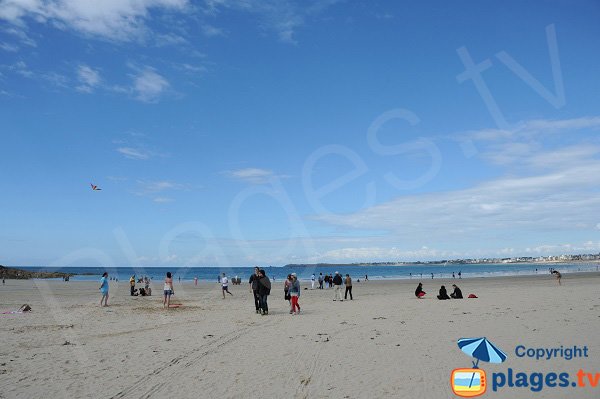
357	272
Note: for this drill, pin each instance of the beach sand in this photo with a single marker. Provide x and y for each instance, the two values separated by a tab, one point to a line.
383	344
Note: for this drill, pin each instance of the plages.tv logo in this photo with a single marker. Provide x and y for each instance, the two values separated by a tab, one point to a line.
470	382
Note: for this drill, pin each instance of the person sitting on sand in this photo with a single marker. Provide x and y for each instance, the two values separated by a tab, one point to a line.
443	294
557	275
419	293
457	294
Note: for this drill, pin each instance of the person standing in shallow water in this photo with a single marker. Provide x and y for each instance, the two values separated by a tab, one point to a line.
103	289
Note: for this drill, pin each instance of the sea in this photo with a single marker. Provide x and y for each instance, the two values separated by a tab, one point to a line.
404	272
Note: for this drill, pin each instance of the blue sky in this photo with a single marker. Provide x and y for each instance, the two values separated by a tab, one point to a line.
238	132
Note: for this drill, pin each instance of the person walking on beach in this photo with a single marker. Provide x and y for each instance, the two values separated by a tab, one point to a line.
432	276
337	282
459	274
196	281
348	283
104	289
419	293
312	282
264	289
320	281
295	294
132	285
168	290
286	289
253	281
453	276
225	285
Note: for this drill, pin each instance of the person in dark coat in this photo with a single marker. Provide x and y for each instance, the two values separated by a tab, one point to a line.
457	294
253	281
264	289
443	294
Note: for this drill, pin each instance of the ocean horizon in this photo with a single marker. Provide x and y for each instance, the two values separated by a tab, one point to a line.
400	272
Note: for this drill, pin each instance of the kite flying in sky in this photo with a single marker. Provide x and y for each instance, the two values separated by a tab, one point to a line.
95	188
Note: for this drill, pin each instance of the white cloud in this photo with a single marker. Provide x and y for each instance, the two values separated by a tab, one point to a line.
148	85
211	31
548	187
122	20
22	69
534	128
253	175
9	47
162	200
134	153
169	39
88	78
157	189
284	17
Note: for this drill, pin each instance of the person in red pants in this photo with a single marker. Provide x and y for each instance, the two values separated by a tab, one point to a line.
294	292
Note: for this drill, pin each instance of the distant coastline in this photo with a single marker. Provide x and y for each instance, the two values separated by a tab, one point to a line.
21	274
479	261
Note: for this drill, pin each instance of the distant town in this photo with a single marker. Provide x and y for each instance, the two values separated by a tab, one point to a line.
519	259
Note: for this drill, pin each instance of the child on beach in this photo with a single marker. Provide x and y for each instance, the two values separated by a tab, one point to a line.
225	285
104	289
168	290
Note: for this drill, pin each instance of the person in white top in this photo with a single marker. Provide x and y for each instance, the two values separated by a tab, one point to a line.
312	282
225	285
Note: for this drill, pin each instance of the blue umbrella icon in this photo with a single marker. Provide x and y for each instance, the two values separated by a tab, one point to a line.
481	349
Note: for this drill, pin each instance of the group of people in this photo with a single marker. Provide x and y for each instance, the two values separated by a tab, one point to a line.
336	281
443	294
145	291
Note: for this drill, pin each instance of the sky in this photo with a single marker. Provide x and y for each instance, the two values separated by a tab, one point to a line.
242	132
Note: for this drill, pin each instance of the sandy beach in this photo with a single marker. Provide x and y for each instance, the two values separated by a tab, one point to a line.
383	344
